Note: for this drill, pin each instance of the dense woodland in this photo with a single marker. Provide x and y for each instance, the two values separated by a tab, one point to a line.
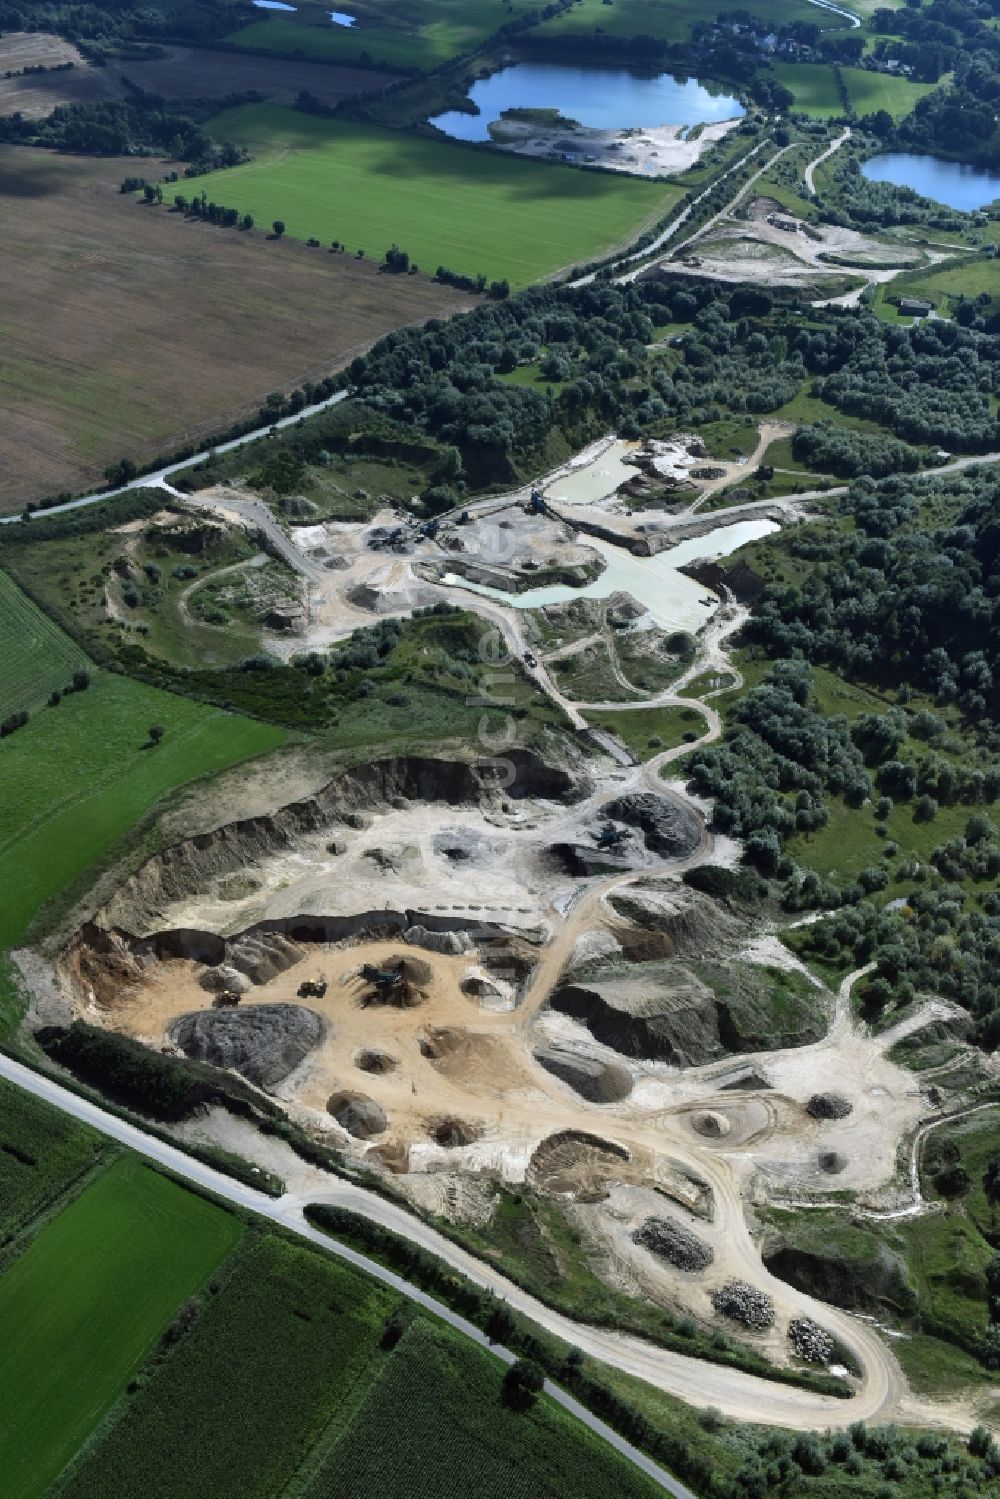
113	22
119	128
744	352
911	609
952	37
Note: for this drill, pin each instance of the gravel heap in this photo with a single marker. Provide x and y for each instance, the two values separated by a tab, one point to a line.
744	1304
832	1162
454	943
810	1341
674	1243
262	1042
829	1106
597	1081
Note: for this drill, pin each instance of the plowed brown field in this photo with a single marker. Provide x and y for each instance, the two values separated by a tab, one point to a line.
127	332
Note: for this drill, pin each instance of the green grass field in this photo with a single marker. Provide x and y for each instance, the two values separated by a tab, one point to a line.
872	91
473	211
42	1151
647	731
481	1450
427	33
35	655
82	1308
673	22
814	86
78	777
967	277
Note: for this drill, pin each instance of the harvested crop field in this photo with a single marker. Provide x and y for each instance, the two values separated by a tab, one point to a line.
157	332
201	73
39	93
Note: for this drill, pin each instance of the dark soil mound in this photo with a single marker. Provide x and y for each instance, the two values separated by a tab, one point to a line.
358	1114
376	1061
451	1132
597	1081
829	1106
674	1243
669	828
262	1042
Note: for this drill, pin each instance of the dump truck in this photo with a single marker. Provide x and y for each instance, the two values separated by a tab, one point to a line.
226	999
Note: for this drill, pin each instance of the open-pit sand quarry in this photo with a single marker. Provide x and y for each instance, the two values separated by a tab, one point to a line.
489	1017
465	974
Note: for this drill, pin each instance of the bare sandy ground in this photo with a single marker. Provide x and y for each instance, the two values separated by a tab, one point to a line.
649	151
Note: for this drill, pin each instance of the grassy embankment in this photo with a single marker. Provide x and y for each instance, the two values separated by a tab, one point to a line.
472	211
937	1295
35	656
79	776
43	1154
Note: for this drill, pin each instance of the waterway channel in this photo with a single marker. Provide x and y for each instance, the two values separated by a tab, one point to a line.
674	601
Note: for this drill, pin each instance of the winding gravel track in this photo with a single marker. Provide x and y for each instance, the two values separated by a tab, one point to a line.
287	1213
742	1396
830	151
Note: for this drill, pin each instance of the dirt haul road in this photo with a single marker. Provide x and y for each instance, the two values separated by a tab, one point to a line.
741	1396
287	1213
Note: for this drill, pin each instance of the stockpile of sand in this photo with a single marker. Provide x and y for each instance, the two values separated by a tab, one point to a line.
360	1115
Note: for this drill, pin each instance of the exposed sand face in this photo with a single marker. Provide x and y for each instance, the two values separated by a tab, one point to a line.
647	151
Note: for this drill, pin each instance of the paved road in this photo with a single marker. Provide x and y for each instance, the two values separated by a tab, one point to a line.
154	480
287	1212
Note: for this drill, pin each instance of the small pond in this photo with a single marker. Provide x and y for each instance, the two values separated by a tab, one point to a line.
587	483
674	601
950	182
605	98
341	18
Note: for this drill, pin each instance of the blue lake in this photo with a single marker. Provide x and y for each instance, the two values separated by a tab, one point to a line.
950	182
605	98
273	5
341	18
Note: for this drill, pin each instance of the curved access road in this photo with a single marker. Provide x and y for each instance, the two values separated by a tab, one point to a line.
823	156
158	479
742	1396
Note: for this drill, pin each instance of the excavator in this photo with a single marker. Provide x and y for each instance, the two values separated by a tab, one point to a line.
382	979
610	836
